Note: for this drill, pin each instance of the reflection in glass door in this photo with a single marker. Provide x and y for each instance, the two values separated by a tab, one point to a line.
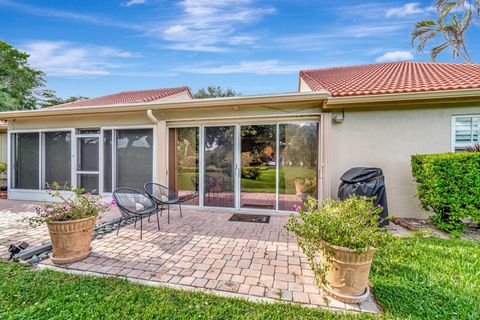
247	166
258	166
298	148
184	163
219	166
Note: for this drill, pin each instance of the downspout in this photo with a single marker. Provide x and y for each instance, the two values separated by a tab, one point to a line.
160	162
151	116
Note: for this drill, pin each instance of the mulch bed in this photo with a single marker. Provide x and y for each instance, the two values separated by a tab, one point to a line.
472	232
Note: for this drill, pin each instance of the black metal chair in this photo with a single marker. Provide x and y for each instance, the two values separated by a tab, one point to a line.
135	204
163	197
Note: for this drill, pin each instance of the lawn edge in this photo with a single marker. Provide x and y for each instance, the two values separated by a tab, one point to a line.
218	293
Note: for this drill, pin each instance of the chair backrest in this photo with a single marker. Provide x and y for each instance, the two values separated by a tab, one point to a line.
131	201
159	193
195	182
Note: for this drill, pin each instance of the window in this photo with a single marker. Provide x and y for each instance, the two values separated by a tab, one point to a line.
41	158
134	157
57	155
25	153
466	132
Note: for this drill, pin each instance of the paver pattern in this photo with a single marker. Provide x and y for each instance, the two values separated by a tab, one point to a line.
205	250
13	229
202	250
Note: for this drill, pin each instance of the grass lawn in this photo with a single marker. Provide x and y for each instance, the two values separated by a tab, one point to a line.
264	183
422	278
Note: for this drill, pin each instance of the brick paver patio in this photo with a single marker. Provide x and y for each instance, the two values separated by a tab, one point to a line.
204	251
12	230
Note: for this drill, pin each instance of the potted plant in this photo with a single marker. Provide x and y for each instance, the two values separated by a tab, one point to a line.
339	239
299	185
70	223
308	188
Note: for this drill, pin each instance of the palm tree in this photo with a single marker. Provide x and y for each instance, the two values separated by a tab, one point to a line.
453	21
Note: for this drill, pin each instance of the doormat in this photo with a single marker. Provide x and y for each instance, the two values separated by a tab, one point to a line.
250	218
258	206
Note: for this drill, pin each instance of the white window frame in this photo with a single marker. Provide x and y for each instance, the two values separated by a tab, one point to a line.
40	194
453	143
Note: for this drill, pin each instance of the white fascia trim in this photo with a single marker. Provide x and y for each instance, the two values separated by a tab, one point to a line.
399	97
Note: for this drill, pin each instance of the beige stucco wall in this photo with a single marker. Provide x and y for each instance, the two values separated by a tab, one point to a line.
380	137
303	86
83	121
387	139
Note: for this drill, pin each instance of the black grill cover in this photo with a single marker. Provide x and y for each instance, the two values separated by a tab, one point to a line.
367	182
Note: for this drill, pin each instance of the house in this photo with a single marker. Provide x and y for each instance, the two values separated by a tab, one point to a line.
264	152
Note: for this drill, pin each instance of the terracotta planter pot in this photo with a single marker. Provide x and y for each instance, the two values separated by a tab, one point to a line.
298	187
71	240
347	277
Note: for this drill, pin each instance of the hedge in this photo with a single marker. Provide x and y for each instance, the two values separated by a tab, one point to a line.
449	185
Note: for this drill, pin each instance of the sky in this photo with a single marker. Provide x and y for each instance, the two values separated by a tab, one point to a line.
92	48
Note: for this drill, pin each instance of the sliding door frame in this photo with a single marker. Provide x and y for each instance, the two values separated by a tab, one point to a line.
237	157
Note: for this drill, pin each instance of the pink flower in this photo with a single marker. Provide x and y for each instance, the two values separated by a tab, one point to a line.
113	202
296	207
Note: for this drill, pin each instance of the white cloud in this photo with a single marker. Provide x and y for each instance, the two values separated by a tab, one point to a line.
211	26
250	67
69	15
394	56
62	58
408	9
133	2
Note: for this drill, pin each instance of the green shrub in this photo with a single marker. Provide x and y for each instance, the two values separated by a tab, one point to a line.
250	173
3	167
449	185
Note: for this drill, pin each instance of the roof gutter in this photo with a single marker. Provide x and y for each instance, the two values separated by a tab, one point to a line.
318	96
359	101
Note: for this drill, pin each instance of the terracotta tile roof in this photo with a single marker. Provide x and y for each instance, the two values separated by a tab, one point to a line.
396	77
125	97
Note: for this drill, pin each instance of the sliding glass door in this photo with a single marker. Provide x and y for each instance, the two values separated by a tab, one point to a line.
184	147
258	166
298	158
219	166
271	166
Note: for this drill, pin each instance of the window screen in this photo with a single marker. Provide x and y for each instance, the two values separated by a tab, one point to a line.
466	132
57	157
134	157
25	151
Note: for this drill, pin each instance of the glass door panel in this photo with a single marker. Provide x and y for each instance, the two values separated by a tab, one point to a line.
134	158
88	163
298	163
184	177
88	181
219	166
258	167
87	152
